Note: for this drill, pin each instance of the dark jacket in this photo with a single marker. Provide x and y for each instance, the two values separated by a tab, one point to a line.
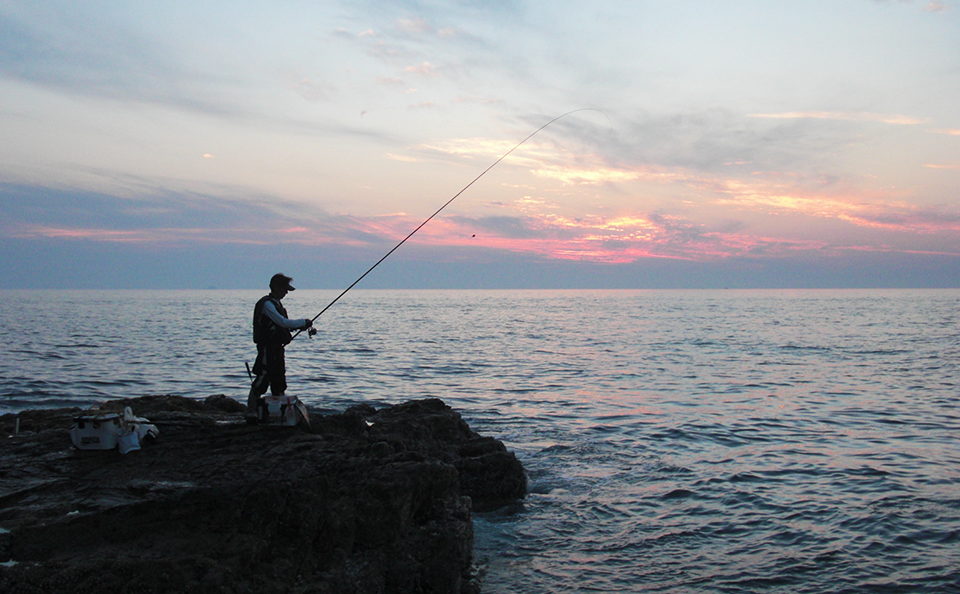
265	331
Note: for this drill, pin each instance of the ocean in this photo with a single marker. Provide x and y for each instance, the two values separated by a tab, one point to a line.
675	441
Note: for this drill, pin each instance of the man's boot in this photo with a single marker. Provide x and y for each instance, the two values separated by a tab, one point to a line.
252	400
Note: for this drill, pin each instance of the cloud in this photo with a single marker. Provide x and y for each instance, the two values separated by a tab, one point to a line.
84	53
312	91
173	224
424	69
617	239
851	116
929	7
403	158
504	227
593	175
700	151
417	27
862	211
707	141
411	37
146	215
166	221
96	234
414	26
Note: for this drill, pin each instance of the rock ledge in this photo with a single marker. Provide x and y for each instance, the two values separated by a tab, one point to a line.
365	501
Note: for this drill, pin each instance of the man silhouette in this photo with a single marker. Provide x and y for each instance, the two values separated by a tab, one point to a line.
271	332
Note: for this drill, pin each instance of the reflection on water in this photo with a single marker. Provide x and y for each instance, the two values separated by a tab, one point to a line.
708	441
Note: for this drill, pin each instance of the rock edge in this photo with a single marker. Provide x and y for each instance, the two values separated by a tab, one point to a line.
364	501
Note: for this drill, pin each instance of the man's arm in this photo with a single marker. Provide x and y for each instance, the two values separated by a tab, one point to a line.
271	310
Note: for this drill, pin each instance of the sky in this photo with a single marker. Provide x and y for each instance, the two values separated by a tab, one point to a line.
702	144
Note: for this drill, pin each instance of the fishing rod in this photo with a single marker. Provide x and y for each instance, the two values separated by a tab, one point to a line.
447	203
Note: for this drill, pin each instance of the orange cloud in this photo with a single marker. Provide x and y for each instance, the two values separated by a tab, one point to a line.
860	210
402	158
597	175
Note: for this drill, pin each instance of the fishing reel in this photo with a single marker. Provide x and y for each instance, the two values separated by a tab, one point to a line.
311	331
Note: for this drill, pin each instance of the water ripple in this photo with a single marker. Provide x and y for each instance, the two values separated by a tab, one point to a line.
689	441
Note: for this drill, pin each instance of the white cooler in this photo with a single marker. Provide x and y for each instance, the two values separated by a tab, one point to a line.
96	432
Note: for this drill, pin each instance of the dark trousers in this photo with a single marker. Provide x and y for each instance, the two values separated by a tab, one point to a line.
269	371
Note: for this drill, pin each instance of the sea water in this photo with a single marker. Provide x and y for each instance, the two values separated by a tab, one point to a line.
675	441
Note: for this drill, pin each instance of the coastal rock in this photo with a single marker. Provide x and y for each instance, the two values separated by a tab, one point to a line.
364	501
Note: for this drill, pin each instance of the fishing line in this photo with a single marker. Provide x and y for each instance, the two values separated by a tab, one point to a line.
447	203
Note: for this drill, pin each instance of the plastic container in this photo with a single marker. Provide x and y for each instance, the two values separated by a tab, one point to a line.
279	410
96	432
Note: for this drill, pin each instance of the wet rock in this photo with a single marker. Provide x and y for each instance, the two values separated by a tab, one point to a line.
364	501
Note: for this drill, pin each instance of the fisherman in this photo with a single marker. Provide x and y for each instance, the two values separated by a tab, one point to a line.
271	332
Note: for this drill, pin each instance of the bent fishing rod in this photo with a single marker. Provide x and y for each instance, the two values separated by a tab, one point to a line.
447	203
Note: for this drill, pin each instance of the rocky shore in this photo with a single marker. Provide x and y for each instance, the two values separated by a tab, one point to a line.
361	502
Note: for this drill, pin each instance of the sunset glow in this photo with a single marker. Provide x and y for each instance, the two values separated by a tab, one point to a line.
728	139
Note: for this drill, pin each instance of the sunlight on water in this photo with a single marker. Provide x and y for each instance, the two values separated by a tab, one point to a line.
675	441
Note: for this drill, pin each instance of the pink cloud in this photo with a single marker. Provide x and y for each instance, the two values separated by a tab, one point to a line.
107	235
853	116
628	236
617	239
537	226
